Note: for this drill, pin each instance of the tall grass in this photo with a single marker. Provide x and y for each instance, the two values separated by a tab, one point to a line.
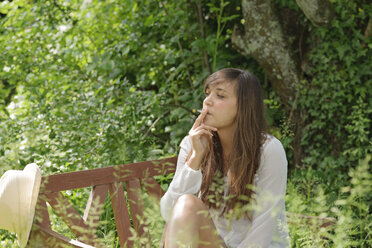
349	203
308	192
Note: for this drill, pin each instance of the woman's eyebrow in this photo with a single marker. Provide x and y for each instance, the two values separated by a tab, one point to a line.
220	89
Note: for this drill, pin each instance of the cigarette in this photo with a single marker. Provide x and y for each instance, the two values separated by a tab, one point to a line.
199	110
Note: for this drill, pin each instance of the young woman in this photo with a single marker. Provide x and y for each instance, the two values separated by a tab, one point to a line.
228	146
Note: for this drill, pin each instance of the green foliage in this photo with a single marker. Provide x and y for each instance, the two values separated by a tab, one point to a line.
221	23
309	193
97	85
338	96
8	240
102	83
87	84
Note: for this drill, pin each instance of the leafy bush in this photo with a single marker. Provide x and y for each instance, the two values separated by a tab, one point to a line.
338	91
308	193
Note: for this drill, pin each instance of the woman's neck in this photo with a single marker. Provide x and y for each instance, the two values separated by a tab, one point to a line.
226	138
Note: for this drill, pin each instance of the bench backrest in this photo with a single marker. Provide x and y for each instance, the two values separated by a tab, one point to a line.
136	177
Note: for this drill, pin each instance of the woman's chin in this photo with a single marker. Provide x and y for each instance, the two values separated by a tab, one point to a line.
209	123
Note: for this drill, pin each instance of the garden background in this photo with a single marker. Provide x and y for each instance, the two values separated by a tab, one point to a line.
88	84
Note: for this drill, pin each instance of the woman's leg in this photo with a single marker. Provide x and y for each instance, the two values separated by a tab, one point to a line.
191	225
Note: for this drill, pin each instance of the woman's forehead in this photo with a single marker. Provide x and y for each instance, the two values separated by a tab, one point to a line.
220	85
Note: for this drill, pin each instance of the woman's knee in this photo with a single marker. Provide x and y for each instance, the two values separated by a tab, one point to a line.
188	206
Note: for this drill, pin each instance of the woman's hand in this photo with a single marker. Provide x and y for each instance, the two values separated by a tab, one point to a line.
201	136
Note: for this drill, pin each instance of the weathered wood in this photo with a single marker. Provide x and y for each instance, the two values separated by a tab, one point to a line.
72	218
119	173
119	206
95	205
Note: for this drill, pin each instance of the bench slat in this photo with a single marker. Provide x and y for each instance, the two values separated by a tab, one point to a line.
45	237
152	187
119	206
95	205
136	205
41	213
72	218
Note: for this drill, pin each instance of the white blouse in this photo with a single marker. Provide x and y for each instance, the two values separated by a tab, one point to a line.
268	227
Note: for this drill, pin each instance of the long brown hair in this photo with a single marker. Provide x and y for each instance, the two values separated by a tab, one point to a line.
248	139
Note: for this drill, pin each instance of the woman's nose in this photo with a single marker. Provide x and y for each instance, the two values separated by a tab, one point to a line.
207	101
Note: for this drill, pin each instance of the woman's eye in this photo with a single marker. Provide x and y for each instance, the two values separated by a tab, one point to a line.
220	96
206	93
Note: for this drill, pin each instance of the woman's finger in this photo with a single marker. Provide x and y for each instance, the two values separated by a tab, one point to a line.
203	126
201	132
200	119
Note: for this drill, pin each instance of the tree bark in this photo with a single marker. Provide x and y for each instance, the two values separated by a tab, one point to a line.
319	12
264	40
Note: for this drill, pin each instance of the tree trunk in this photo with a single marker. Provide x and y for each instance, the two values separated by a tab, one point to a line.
264	40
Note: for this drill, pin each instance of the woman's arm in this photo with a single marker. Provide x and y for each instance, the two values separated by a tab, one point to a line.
188	177
185	181
271	187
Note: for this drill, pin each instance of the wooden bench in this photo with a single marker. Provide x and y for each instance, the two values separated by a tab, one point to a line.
136	178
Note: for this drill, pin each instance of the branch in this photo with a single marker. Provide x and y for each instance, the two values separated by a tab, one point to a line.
202	32
156	121
319	12
9	97
367	32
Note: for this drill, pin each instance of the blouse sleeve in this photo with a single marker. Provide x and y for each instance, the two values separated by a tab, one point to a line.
185	181
270	190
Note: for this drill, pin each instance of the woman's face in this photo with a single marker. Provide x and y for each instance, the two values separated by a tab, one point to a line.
221	105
